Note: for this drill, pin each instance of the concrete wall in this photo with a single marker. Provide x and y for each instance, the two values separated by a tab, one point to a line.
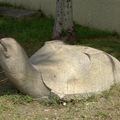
101	14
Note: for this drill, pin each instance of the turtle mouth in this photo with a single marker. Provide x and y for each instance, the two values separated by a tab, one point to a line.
4	50
3	45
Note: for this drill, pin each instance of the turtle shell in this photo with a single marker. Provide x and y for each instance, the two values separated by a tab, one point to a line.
73	70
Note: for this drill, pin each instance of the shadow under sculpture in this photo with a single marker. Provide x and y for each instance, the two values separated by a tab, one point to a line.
67	71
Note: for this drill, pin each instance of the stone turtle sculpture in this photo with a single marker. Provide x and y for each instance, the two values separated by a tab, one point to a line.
59	69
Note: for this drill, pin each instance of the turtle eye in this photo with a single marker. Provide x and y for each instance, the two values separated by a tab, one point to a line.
6	54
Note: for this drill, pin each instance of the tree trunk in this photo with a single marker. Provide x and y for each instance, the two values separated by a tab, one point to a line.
67	15
57	30
64	19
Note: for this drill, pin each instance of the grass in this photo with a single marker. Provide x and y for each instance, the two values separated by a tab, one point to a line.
30	29
32	32
37	30
40	29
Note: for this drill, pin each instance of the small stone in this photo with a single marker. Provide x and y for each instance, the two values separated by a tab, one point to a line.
64	103
46	110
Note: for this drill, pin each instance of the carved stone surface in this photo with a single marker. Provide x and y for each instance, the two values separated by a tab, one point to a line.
64	70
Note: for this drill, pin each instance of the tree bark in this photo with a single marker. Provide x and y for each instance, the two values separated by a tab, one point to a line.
57	30
64	19
67	15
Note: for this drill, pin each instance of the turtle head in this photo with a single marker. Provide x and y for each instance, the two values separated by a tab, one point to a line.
11	54
8	47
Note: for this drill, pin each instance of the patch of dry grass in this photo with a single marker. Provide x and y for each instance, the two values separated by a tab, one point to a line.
100	107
